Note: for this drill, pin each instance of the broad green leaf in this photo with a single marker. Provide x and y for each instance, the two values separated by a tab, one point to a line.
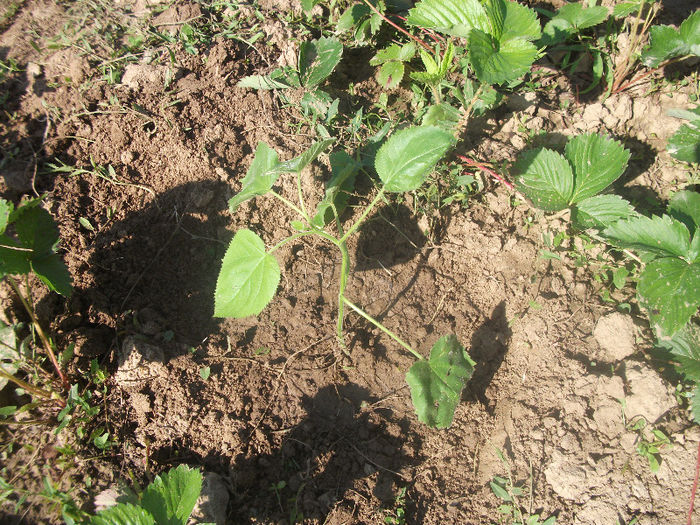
37	231
661	236
342	182
436	384
669	288
5	210
555	31
394	52
520	22
496	13
497	62
546	178
684	144
430	65
260	178
390	74
409	155
299	163
601	211
123	514
666	43
171	497
53	272
280	78
9	357
597	161
441	115
351	17
684	347
580	17
624	9
248	278
685	206
317	60
453	17
13	261
499	491
407	52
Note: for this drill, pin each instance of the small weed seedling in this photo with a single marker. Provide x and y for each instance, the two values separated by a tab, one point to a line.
650	447
250	274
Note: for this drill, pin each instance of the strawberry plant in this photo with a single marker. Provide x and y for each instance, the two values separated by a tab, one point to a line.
685	143
669	285
575	180
168	500
250	273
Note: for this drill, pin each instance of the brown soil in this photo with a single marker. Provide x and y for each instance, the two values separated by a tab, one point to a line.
283	403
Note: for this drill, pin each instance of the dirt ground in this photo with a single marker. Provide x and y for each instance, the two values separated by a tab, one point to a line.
291	425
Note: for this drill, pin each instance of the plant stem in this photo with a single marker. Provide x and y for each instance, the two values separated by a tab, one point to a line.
42	335
291	205
344	270
486	170
638	78
468	111
26	386
382	328
301	197
409	35
358	222
289	239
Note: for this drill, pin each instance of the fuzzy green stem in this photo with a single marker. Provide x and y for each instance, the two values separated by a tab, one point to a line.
382	328
301	197
362	217
40	331
289	239
344	270
291	205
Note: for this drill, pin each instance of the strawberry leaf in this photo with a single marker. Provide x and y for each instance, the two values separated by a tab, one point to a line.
170	498
601	211
546	178
661	236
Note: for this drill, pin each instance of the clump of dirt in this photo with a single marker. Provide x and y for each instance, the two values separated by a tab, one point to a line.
292	425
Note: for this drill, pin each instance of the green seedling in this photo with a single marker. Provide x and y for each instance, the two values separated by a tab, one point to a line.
512	511
669	285
684	144
650	448
250	273
168	500
364	20
392	60
317	60
589	165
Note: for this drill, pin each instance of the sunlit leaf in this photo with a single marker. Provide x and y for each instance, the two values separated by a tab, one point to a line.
546	178
171	497
600	211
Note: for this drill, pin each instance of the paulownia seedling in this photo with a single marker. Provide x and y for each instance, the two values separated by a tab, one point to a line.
250	273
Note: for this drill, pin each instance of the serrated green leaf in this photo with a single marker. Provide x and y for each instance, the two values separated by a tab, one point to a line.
441	115
580	17
407	52
436	384
53	272
37	231
520	22
317	60
555	31
496	13
171	497
297	164
597	162
684	144
430	65
123	514
499	491
624	9
669	288
352	16
453	17
248	278
342	182
666	43
497	62
684	348
409	155
661	236
546	178
5	210
600	211
390	75
13	261
280	78
260	178
387	54
685	207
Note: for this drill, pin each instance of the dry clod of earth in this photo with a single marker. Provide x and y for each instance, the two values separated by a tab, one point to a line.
615	333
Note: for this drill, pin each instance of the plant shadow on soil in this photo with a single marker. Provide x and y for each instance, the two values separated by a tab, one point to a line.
312	469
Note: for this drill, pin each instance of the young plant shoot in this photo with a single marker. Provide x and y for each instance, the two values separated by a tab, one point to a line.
250	273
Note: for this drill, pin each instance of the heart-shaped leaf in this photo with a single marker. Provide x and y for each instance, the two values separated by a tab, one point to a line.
597	161
436	384
669	288
546	178
170	498
248	279
408	157
261	176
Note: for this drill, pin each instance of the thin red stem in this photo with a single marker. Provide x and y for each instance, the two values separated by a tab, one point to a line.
431	34
415	38
695	488
486	170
